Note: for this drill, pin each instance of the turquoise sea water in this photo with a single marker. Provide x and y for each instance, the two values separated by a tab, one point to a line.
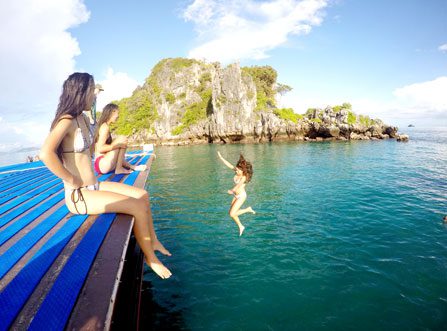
347	236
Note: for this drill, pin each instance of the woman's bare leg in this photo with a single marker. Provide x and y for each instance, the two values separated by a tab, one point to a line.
113	160
143	195
246	210
127	164
99	202
120	162
108	161
235	206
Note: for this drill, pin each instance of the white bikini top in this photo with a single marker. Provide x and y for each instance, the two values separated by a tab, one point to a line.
80	142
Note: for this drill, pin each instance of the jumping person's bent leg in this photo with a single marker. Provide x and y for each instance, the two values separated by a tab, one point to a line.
99	202
143	195
246	210
233	213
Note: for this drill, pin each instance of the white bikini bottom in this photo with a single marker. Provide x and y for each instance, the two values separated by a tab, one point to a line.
242	194
76	195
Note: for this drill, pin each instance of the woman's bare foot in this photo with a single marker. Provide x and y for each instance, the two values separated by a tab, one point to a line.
241	230
158	246
141	167
127	165
158	267
250	210
123	171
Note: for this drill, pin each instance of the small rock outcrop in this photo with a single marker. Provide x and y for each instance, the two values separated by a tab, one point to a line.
402	137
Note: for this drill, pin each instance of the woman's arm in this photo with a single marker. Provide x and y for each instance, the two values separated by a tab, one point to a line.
228	164
101	145
48	153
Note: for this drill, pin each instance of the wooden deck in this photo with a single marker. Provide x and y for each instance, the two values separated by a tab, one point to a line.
63	271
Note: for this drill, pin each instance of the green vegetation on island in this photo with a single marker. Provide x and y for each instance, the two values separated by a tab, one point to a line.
136	113
264	78
195	112
287	114
180	93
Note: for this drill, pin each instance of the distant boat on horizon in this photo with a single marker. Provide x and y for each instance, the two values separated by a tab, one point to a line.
411	126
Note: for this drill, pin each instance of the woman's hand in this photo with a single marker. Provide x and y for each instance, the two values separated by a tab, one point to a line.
230	192
120	142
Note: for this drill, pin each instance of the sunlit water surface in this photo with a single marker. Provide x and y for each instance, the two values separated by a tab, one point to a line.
347	235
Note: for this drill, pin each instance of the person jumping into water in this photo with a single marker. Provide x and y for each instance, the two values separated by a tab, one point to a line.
244	172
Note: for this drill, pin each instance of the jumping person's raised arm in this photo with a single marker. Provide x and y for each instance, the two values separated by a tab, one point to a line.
48	153
228	164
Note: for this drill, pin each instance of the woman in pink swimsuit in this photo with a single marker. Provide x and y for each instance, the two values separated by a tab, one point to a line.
244	172
110	153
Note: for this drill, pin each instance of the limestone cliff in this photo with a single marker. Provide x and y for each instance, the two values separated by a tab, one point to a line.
188	101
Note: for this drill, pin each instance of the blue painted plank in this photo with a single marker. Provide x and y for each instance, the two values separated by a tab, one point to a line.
18	187
19	224
17	292
13	177
29	189
28	204
17	201
3	209
18	174
22	177
11	256
6	175
11	230
73	275
21	166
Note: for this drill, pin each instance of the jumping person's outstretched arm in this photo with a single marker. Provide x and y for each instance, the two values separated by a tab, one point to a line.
228	164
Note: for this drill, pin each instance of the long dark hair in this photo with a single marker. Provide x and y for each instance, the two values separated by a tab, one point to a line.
73	99
105	116
246	167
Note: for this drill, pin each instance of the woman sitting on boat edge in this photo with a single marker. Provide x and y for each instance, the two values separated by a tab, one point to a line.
110	153
67	153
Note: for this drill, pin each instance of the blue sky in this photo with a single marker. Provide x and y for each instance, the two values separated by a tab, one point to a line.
387	58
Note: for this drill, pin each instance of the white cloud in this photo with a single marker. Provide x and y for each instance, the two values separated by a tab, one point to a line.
200	12
443	48
117	85
424	102
429	95
238	29
23	134
37	55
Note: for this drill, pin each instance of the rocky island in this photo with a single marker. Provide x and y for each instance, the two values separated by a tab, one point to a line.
186	101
